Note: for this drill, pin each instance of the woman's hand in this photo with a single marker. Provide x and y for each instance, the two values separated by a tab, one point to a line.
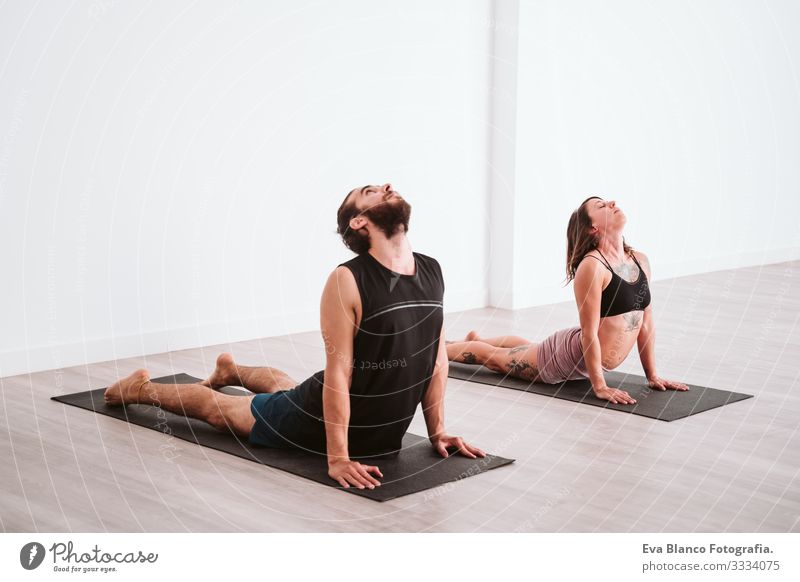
614	395
348	472
657	383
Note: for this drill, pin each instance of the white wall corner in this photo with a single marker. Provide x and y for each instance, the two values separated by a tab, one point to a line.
502	137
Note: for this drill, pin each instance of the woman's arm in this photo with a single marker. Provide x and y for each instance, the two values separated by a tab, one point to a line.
646	341
588	288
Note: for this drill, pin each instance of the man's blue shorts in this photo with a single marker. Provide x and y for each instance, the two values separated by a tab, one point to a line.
282	423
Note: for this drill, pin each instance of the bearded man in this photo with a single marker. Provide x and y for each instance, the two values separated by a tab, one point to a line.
382	325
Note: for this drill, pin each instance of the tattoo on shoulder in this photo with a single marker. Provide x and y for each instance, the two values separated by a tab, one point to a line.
632	319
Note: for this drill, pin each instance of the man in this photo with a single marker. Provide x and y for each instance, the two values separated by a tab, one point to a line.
381	320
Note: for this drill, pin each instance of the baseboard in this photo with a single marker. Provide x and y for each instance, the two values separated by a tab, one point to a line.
90	351
536	296
40	358
464	299
723	263
65	355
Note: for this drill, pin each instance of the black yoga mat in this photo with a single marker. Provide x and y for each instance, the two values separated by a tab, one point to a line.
668	405
417	468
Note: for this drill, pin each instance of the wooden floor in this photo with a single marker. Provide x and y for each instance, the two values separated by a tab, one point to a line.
579	468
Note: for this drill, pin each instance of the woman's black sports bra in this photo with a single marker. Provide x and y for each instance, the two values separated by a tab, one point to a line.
620	296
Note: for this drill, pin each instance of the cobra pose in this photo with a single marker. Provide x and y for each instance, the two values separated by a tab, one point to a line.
381	317
613	298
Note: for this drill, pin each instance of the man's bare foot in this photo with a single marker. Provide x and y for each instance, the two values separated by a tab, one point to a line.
127	390
472	337
224	374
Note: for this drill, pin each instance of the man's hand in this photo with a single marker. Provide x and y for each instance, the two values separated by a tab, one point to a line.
443	442
348	472
657	383
614	395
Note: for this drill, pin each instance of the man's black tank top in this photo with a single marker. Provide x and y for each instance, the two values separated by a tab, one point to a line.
394	353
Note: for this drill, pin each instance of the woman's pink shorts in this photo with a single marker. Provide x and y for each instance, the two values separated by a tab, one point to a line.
560	357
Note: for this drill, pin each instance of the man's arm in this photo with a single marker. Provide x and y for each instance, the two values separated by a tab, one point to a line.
338	313
433	409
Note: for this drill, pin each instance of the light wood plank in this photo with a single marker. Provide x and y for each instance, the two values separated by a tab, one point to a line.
578	468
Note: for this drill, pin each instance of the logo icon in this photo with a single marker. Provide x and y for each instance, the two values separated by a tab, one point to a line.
395	277
31	555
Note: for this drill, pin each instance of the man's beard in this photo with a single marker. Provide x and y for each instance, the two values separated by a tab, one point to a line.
390	216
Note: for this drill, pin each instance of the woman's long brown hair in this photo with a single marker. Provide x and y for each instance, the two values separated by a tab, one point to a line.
579	240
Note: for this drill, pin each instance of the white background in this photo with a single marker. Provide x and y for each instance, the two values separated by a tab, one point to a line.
170	172
595	556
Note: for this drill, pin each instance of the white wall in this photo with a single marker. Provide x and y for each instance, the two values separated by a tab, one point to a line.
170	172
686	113
502	150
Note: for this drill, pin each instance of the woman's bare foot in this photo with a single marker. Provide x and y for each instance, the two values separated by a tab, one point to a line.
127	390
224	374
472	337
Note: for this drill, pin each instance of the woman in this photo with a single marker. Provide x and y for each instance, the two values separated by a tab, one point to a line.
613	297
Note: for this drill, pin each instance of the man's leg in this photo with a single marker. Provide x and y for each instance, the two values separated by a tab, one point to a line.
221	411
256	379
